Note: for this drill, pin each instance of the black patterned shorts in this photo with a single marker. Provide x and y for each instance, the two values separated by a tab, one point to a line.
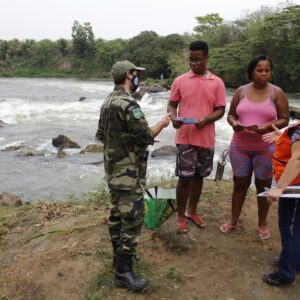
193	161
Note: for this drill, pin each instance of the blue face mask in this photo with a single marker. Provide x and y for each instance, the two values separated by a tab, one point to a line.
135	82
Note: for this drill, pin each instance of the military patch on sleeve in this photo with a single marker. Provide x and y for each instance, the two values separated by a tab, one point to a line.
137	113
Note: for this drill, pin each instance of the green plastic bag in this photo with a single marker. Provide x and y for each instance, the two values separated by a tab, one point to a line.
157	209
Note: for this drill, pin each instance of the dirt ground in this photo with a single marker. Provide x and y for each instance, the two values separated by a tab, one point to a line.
62	251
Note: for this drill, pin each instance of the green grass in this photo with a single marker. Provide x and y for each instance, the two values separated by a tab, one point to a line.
172	274
9	215
99	197
99	287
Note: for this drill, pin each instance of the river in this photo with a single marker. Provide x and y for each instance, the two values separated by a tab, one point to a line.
37	110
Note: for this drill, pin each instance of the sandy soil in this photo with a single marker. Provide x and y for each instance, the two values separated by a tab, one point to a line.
62	251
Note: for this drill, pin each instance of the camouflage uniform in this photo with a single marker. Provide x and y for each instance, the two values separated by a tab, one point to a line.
125	134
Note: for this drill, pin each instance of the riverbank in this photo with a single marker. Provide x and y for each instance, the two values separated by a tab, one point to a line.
59	250
96	76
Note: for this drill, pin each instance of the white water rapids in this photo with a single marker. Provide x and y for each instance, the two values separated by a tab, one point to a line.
37	110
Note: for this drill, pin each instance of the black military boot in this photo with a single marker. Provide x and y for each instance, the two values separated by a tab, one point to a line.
124	275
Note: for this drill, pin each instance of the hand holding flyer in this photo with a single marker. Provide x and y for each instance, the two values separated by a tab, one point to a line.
250	127
289	192
186	120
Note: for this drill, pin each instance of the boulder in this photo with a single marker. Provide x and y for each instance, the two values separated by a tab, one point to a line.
138	95
181	243
294	111
29	152
2	123
92	148
167	150
154	88
15	147
166	85
61	153
9	199
23	150
63	141
82	98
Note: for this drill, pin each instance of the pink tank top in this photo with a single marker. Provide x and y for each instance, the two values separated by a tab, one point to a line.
253	113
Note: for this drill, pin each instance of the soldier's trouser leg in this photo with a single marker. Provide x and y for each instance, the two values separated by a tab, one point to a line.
125	223
126	219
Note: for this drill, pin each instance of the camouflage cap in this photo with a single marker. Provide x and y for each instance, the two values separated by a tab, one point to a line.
123	66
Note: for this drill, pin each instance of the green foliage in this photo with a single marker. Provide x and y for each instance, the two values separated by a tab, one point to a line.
279	37
230	63
87	67
151	51
271	31
108	52
172	43
15	50
63	47
44	54
171	273
178	63
3	50
101	196
274	32
144	51
9	218
230	32
252	23
83	40
207	24
212	29
100	285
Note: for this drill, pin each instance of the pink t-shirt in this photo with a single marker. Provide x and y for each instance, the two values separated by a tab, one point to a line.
253	113
197	97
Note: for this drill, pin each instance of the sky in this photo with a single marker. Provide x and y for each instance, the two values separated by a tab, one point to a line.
111	19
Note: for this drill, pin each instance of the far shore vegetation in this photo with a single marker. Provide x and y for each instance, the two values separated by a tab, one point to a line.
274	31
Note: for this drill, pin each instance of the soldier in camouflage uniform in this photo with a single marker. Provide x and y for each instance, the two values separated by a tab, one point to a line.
125	133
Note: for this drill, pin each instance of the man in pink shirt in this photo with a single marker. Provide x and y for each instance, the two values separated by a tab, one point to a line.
197	100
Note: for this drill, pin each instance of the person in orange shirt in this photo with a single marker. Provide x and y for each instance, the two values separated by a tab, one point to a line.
286	169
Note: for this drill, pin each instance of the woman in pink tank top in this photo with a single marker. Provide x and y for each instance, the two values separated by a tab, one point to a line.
254	108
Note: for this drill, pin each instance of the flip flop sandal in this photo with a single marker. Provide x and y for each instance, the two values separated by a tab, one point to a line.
264	234
197	220
227	227
182	227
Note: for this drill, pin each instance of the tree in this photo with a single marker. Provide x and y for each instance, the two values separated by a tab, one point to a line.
178	63
63	47
172	43
3	50
230	62
27	48
207	24
108	52
83	40
216	32
278	35
13	50
45	53
144	50
153	51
